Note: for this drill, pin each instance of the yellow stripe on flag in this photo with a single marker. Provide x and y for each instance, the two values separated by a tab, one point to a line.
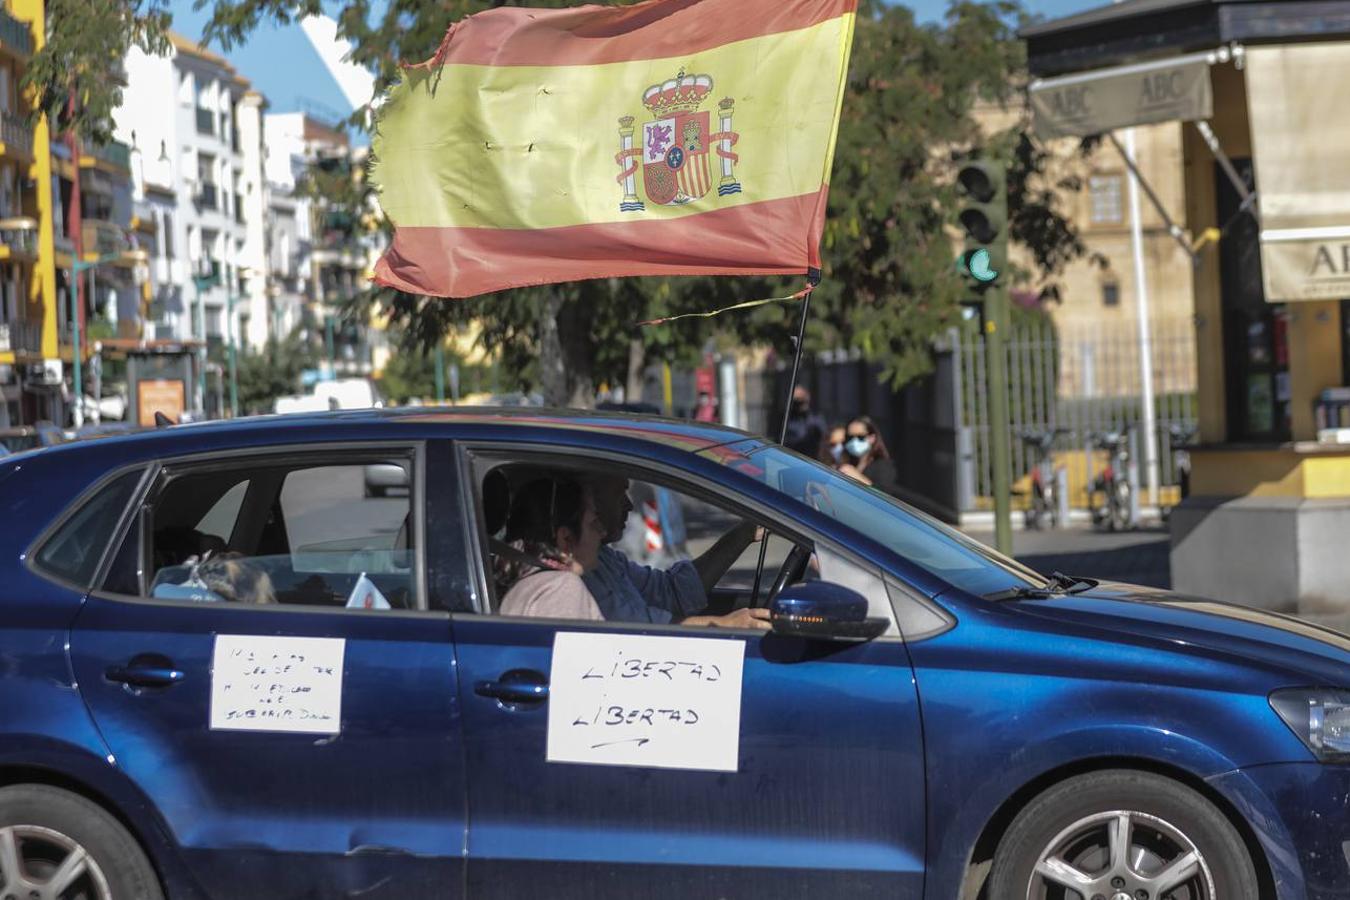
527	147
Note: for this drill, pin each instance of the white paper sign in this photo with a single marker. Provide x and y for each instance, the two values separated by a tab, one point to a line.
634	700
277	683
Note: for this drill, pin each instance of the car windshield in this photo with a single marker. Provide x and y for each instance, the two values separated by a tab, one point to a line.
918	538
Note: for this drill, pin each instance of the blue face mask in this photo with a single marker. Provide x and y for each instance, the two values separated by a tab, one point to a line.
837	451
857	447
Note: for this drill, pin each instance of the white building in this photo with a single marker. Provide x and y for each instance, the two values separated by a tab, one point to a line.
319	257
198	171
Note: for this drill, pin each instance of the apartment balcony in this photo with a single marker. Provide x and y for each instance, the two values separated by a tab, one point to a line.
16	136
104	238
115	155
208	197
18	243
206	121
21	337
16	37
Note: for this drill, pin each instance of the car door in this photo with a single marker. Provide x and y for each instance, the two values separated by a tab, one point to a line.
262	663
822	793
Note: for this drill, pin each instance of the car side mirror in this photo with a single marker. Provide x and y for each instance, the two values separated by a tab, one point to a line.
825	612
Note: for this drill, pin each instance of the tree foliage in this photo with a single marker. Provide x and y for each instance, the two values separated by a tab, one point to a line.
273	372
76	75
889	286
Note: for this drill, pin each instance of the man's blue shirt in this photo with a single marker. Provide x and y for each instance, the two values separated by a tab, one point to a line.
628	592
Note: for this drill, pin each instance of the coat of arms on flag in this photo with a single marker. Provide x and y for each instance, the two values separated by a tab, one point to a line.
677	146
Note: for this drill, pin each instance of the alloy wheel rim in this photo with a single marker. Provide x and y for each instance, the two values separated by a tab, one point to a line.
38	863
1121	855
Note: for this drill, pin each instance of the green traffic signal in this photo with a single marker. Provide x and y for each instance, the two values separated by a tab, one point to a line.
984	220
978	264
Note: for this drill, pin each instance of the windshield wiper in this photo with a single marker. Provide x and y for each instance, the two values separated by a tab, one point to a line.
1057	584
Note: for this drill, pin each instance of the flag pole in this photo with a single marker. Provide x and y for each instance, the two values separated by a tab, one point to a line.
812	280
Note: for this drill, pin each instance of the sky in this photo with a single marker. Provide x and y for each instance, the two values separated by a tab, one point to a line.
284	67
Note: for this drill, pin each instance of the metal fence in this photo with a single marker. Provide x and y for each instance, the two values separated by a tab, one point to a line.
1084	381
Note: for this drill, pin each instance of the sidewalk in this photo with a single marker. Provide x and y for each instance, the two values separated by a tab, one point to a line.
1138	557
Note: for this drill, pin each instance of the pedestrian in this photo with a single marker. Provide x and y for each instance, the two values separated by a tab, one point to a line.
706	410
832	448
866	457
805	427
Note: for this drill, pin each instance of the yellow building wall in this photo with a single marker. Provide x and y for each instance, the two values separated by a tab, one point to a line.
42	284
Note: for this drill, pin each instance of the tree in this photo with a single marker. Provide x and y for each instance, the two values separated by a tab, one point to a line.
890	283
86	43
273	372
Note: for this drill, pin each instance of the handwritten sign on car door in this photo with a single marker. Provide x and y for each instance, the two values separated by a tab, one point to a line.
636	700
277	683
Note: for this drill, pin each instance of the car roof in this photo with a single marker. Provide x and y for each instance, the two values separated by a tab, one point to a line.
571	426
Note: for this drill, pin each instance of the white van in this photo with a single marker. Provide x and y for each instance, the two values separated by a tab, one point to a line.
350	393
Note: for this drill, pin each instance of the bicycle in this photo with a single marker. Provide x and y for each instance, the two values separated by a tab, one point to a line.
1179	437
1044	481
1116	512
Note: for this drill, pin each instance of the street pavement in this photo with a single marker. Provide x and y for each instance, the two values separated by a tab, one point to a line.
1134	557
1137	557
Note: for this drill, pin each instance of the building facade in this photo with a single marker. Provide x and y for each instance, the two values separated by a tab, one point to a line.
198	173
30	336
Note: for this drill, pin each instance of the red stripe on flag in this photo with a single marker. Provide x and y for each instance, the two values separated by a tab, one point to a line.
590	35
765	238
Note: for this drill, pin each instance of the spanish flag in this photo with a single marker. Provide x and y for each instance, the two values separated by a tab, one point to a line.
673	137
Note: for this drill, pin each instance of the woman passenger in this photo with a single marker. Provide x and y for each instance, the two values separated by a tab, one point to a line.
553	535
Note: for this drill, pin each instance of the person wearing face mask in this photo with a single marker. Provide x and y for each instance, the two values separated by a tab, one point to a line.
866	457
805	427
832	449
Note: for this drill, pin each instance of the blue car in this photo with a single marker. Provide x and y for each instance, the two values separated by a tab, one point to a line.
227	672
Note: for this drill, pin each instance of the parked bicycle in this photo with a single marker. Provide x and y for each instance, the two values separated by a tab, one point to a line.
1180	436
1044	502
1116	511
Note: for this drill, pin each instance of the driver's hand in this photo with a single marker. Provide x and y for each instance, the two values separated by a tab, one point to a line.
742	618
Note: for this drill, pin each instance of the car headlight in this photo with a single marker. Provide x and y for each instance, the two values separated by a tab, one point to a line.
1320	718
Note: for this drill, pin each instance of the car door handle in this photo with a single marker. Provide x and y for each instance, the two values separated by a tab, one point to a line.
144	676
518	686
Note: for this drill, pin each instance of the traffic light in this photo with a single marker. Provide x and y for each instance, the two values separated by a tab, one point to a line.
984	218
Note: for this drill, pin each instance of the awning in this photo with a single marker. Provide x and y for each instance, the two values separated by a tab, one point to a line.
1167	90
1300	143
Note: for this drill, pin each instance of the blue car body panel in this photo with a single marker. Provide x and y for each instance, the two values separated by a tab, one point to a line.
869	769
829	794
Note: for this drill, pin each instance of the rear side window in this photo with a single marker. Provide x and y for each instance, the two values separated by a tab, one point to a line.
327	534
73	551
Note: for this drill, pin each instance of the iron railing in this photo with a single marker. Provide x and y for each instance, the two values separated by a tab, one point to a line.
21	337
114	154
16	132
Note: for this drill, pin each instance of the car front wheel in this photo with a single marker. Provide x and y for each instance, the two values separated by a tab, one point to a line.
1121	835
55	845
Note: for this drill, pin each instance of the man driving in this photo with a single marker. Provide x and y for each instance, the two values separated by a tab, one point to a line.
629	592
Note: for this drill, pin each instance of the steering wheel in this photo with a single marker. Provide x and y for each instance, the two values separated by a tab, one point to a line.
793	569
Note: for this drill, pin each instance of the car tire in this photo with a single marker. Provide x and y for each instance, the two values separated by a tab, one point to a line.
45	826
1071	827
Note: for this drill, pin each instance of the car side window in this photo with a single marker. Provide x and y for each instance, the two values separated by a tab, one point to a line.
72	553
287	534
575	541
